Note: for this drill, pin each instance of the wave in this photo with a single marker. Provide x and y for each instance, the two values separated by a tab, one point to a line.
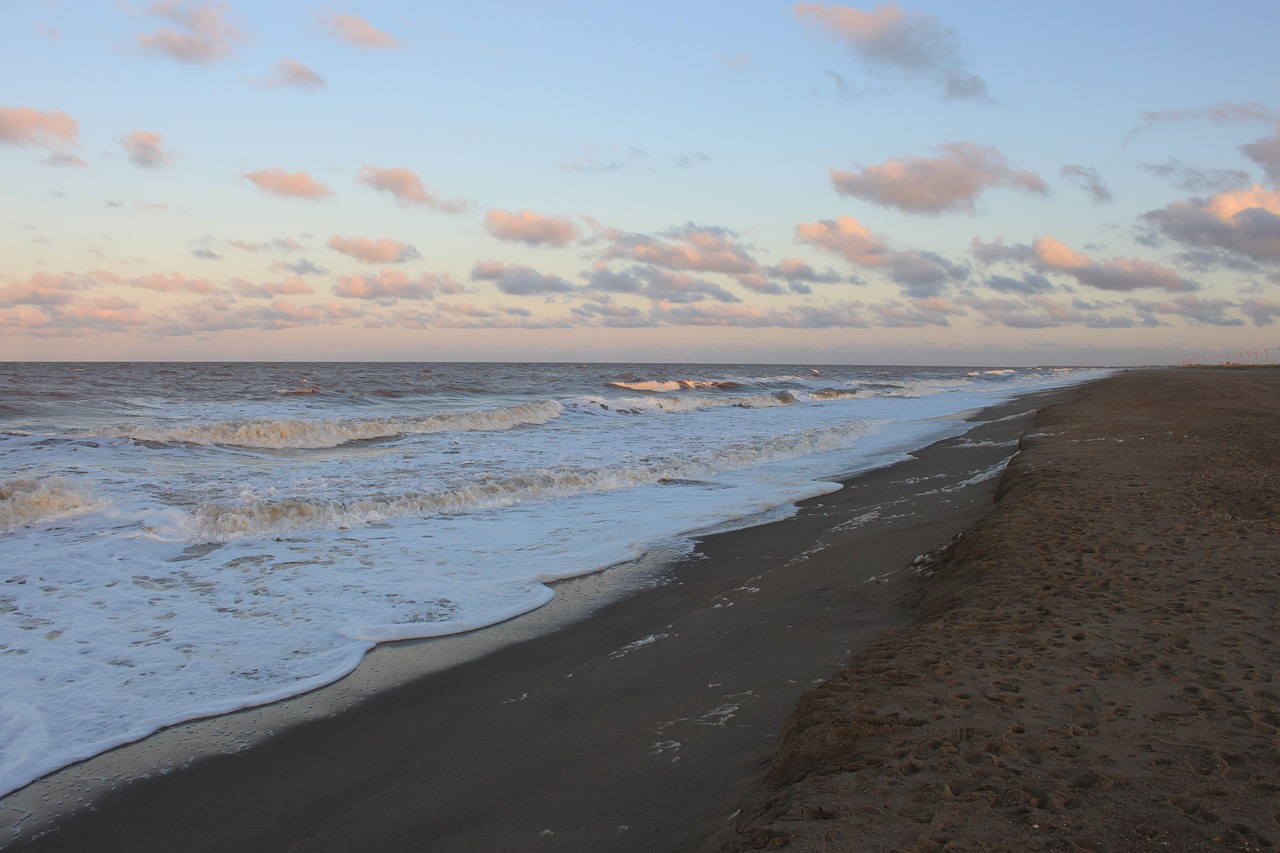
316	434
24	503
661	385
255	516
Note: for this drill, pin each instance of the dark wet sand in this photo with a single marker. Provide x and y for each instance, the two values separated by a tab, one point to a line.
1095	667
641	728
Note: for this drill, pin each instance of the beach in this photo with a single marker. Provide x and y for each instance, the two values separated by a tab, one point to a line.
1076	653
639	727
1092	668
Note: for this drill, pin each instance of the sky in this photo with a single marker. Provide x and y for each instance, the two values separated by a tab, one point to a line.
996	183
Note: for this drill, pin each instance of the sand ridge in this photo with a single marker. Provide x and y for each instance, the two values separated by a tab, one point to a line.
1093	667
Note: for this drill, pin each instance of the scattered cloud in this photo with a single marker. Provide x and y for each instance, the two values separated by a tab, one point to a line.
795	270
206	253
996	251
912	45
1030	284
172	283
658	285
202	34
24	127
358	32
699	248
1197	180
1266	153
591	160
286	244
300	267
1263	312
951	181
145	150
61	158
1243	224
919	274
1090	181
292	286
291	72
391	285
519	280
404	185
382	251
532	229
1124	274
1224	112
288	184
1198	311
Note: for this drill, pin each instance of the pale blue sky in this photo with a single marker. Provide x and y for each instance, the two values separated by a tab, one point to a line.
656	181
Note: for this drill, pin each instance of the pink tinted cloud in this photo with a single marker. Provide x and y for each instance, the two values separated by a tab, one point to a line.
202	34
291	72
1266	153
404	185
951	181
384	251
698	248
146	150
532	229
24	127
291	286
393	284
172	283
519	280
359	32
1123	274
288	184
1239	226
920	274
912	45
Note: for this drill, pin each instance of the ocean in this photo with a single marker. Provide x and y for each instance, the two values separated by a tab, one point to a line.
184	540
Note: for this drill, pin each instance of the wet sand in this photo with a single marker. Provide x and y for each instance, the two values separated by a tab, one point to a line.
1095	667
642	727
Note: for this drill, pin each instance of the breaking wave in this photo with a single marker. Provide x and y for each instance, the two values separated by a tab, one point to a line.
315	434
24	503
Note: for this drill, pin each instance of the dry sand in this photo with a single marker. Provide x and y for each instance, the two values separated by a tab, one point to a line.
1096	666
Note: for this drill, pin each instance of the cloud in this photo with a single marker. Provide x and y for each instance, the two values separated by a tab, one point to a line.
610	314
172	283
951	181
289	185
302	266
912	45
518	280
291	72
1263	312
699	248
217	314
382	251
406	187
467	316
1122	274
206	253
1243	224
1204	312
61	158
1088	180
920	274
592	161
292	286
1043	312
390	285
24	127
996	251
146	150
532	229
1266	153
795	270
358	32
658	285
1029	284
1197	180
926	311
286	244
1223	112
202	35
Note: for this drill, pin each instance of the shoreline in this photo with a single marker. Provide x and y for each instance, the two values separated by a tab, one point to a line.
643	597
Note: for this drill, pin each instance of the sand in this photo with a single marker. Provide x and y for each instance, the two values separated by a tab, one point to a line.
1096	666
640	728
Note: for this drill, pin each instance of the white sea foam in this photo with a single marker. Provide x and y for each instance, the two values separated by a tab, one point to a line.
24	503
300	434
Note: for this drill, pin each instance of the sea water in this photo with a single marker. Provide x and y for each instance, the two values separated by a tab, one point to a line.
184	540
